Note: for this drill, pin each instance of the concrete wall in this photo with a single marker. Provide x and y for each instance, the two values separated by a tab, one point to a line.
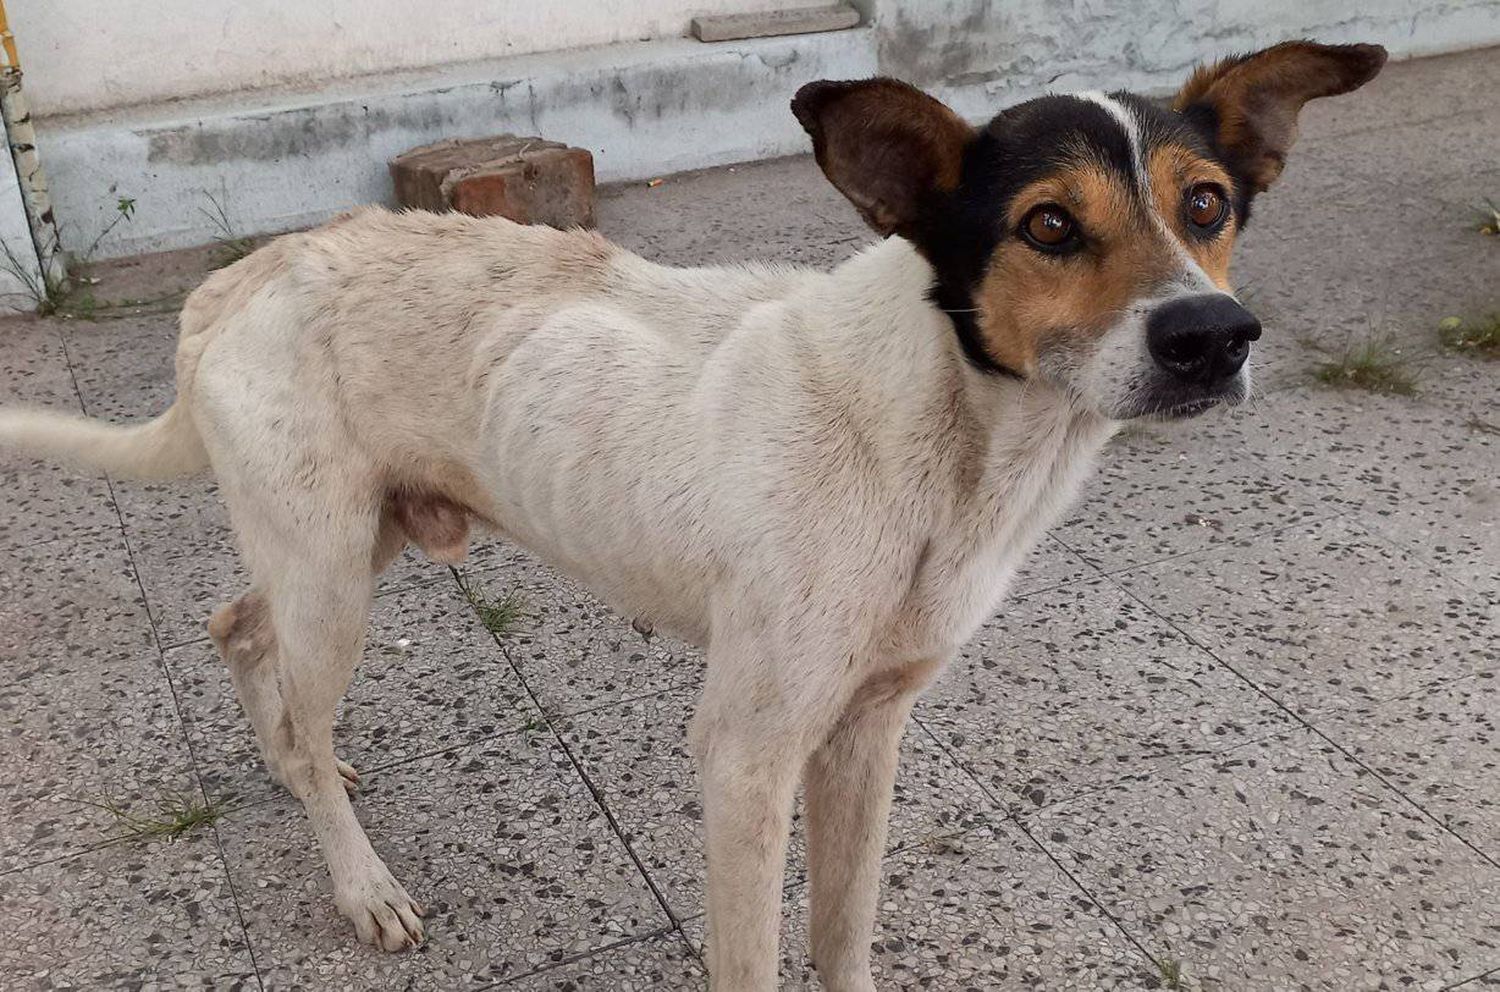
84	55
981	54
20	272
287	157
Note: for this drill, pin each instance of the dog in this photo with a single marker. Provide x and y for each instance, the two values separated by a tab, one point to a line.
825	479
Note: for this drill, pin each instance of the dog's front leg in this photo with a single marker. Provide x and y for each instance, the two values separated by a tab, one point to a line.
752	735
850	779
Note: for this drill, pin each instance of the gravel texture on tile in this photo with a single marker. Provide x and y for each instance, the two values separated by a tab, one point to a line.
1326	618
1069	690
1441	747
664	962
576	653
1282	865
138	916
985	910
500	841
637	754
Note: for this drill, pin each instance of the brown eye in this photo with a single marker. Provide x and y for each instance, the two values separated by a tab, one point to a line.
1049	227
1206	206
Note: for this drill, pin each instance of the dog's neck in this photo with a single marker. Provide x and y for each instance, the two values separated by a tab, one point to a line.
890	341
1012	452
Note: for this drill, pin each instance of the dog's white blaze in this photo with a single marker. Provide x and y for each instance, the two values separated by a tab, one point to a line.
1126	118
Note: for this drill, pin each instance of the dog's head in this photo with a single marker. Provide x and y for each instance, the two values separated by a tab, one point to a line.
1085	239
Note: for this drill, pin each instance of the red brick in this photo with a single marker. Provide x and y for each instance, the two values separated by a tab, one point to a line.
526	179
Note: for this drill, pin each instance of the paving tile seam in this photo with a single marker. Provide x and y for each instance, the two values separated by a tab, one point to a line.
172	688
1000	807
1220	548
1175	760
588	956
1358	519
1274	700
1492	973
588	783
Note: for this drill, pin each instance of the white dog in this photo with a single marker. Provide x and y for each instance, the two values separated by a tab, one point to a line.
825	479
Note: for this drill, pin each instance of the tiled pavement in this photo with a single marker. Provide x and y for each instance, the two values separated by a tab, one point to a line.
1241	719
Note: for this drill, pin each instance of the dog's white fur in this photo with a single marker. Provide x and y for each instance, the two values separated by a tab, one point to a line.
797	470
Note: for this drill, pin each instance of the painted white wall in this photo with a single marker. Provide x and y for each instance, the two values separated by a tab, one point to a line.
20	272
82	55
291	156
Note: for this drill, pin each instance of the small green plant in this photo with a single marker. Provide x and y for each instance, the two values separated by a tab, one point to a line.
124	210
1489	218
45	293
1171	973
1474	337
1375	365
501	615
231	246
171	815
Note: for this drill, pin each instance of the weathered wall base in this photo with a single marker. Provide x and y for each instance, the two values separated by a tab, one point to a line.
275	161
282	161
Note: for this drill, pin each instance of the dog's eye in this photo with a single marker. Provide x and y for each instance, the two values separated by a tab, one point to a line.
1206	206
1049	228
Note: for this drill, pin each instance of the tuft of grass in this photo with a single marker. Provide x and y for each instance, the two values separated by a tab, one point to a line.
501	615
231	246
171	815
1474	337
1489	218
1171	973
1375	365
45	293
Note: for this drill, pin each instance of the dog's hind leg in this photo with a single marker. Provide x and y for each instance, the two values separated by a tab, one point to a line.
849	781
320	600
246	639
311	538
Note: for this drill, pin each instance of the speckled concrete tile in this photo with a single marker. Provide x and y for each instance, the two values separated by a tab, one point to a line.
500	841
137	917
1440	747
576	653
1167	489
88	713
76	595
79	731
1437	156
432	678
783	210
1052	564
1325	617
637	754
1069	690
986	910
43	501
1282	866
663	963
1419	474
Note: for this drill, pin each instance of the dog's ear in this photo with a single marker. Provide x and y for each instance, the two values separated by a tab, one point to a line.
885	145
1248	104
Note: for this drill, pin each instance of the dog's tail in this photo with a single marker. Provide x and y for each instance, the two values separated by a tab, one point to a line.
164	448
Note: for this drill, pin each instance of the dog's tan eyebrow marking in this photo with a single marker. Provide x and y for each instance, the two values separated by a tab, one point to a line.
1126	118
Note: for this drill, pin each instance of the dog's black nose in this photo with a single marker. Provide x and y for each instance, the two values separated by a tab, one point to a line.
1201	339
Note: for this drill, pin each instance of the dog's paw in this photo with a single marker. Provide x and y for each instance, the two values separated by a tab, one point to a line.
349	776
381	911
